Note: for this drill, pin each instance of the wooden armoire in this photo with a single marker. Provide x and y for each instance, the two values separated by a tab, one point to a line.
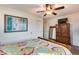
63	32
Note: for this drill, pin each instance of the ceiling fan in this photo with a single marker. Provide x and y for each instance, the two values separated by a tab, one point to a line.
50	9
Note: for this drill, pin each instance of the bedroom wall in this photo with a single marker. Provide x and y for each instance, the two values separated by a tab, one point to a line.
35	26
74	27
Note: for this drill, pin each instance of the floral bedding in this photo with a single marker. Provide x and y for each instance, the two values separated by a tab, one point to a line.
34	47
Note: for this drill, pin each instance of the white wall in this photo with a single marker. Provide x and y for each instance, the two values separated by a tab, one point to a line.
74	27
45	28
35	26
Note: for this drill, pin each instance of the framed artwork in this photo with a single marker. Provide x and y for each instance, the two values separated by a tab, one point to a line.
15	24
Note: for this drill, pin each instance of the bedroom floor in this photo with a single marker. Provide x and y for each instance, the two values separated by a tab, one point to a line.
75	50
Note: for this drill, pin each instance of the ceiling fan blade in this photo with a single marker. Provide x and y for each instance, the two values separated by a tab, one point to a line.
40	11
45	14
54	13
62	7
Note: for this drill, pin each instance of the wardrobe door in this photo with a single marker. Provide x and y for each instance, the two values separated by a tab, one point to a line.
63	33
58	33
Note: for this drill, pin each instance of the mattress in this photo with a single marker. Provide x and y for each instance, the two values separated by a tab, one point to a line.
34	47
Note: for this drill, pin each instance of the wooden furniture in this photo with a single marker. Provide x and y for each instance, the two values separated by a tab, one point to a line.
52	33
63	33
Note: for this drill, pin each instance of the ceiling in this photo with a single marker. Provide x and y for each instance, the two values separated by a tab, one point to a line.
32	8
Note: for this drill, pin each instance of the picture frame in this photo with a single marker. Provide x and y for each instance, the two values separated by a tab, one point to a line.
15	24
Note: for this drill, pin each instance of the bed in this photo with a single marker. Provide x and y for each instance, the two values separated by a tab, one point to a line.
34	47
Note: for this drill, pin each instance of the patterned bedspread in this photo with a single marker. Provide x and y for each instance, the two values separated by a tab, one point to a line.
34	47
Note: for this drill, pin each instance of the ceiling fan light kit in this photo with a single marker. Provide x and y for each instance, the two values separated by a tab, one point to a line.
48	12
